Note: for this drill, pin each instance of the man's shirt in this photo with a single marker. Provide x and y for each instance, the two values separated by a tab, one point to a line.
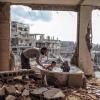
32	53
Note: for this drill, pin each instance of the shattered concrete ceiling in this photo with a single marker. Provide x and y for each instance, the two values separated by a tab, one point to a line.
64	2
54	4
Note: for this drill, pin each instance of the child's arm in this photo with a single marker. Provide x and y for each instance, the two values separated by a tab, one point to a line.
47	67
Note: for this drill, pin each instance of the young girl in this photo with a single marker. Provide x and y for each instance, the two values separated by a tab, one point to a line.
65	67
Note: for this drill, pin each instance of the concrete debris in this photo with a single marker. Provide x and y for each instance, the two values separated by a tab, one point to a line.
92	96
25	92
39	91
26	86
71	97
2	91
19	87
53	93
48	93
26	98
10	97
1	84
36	91
10	89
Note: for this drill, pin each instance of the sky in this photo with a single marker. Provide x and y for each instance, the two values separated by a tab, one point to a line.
96	26
60	24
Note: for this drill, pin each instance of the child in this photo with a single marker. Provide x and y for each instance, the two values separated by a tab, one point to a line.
65	67
51	66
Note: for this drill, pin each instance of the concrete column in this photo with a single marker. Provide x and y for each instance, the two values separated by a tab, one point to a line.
85	62
4	36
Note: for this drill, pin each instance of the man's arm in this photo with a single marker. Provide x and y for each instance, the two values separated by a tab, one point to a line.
38	62
48	67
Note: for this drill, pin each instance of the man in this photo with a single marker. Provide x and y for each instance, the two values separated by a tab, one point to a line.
32	53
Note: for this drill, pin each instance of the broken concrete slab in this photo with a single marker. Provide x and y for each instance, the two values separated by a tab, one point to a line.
48	93
25	98
53	93
26	86
39	91
10	89
19	87
25	92
2	91
10	97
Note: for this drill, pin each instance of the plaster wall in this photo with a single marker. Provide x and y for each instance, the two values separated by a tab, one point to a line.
4	36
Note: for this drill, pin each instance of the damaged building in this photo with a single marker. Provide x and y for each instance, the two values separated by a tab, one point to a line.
81	57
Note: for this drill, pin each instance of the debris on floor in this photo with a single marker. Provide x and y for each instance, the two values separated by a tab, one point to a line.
17	88
25	90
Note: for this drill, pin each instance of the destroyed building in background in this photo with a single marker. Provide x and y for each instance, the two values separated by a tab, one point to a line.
82	53
67	48
21	39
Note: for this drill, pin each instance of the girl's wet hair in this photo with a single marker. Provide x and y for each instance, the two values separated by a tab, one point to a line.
53	62
65	62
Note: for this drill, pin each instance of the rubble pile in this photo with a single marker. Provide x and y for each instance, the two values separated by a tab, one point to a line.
91	92
18	89
14	87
